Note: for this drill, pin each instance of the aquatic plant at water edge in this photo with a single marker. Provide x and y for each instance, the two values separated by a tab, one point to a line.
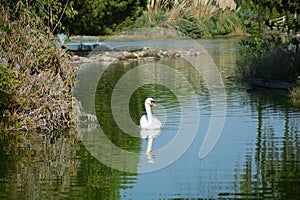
41	74
268	58
295	95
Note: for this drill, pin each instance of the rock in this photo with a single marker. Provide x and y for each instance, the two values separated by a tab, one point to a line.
149	58
146	53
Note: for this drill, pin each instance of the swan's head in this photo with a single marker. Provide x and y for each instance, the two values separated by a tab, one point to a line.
150	101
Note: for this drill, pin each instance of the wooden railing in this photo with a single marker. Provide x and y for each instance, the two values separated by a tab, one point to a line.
282	23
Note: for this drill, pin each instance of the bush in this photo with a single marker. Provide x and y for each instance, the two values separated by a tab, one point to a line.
36	76
190	27
268	59
224	23
152	19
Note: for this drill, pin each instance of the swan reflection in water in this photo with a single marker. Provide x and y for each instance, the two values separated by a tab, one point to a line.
150	135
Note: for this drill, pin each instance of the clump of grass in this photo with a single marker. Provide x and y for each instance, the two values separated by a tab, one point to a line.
195	18
295	95
224	23
203	10
157	19
191	27
42	74
158	5
177	12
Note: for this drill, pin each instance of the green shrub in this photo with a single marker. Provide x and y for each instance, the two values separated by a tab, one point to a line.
224	23
268	58
151	19
190	27
7	80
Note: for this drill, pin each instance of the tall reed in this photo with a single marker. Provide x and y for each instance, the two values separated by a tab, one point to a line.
203	10
192	17
178	11
158	5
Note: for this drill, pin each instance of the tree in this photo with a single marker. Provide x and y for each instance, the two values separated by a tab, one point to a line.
270	9
50	12
102	17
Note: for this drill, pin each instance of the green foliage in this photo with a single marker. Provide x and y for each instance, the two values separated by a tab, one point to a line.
263	12
190	27
104	17
193	18
249	20
7	80
268	58
276	64
224	23
255	45
156	19
48	12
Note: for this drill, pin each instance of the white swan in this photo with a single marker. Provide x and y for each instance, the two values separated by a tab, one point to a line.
149	121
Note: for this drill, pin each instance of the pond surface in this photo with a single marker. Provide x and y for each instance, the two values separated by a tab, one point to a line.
257	154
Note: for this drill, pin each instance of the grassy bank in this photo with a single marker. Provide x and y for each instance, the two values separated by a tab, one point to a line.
36	76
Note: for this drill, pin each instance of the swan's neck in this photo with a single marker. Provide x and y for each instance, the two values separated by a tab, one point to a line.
149	113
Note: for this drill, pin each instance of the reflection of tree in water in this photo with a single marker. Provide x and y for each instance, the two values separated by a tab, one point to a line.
98	181
55	166
272	170
37	165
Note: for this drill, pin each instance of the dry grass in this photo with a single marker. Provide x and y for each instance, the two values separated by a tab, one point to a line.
226	4
188	15
45	74
203	9
295	94
200	9
178	11
158	5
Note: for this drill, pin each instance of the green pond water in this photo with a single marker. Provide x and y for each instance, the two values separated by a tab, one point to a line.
256	155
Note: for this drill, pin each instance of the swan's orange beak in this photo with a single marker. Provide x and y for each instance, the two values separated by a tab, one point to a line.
153	103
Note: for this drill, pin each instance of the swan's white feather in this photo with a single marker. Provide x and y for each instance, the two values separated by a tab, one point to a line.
156	124
144	121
